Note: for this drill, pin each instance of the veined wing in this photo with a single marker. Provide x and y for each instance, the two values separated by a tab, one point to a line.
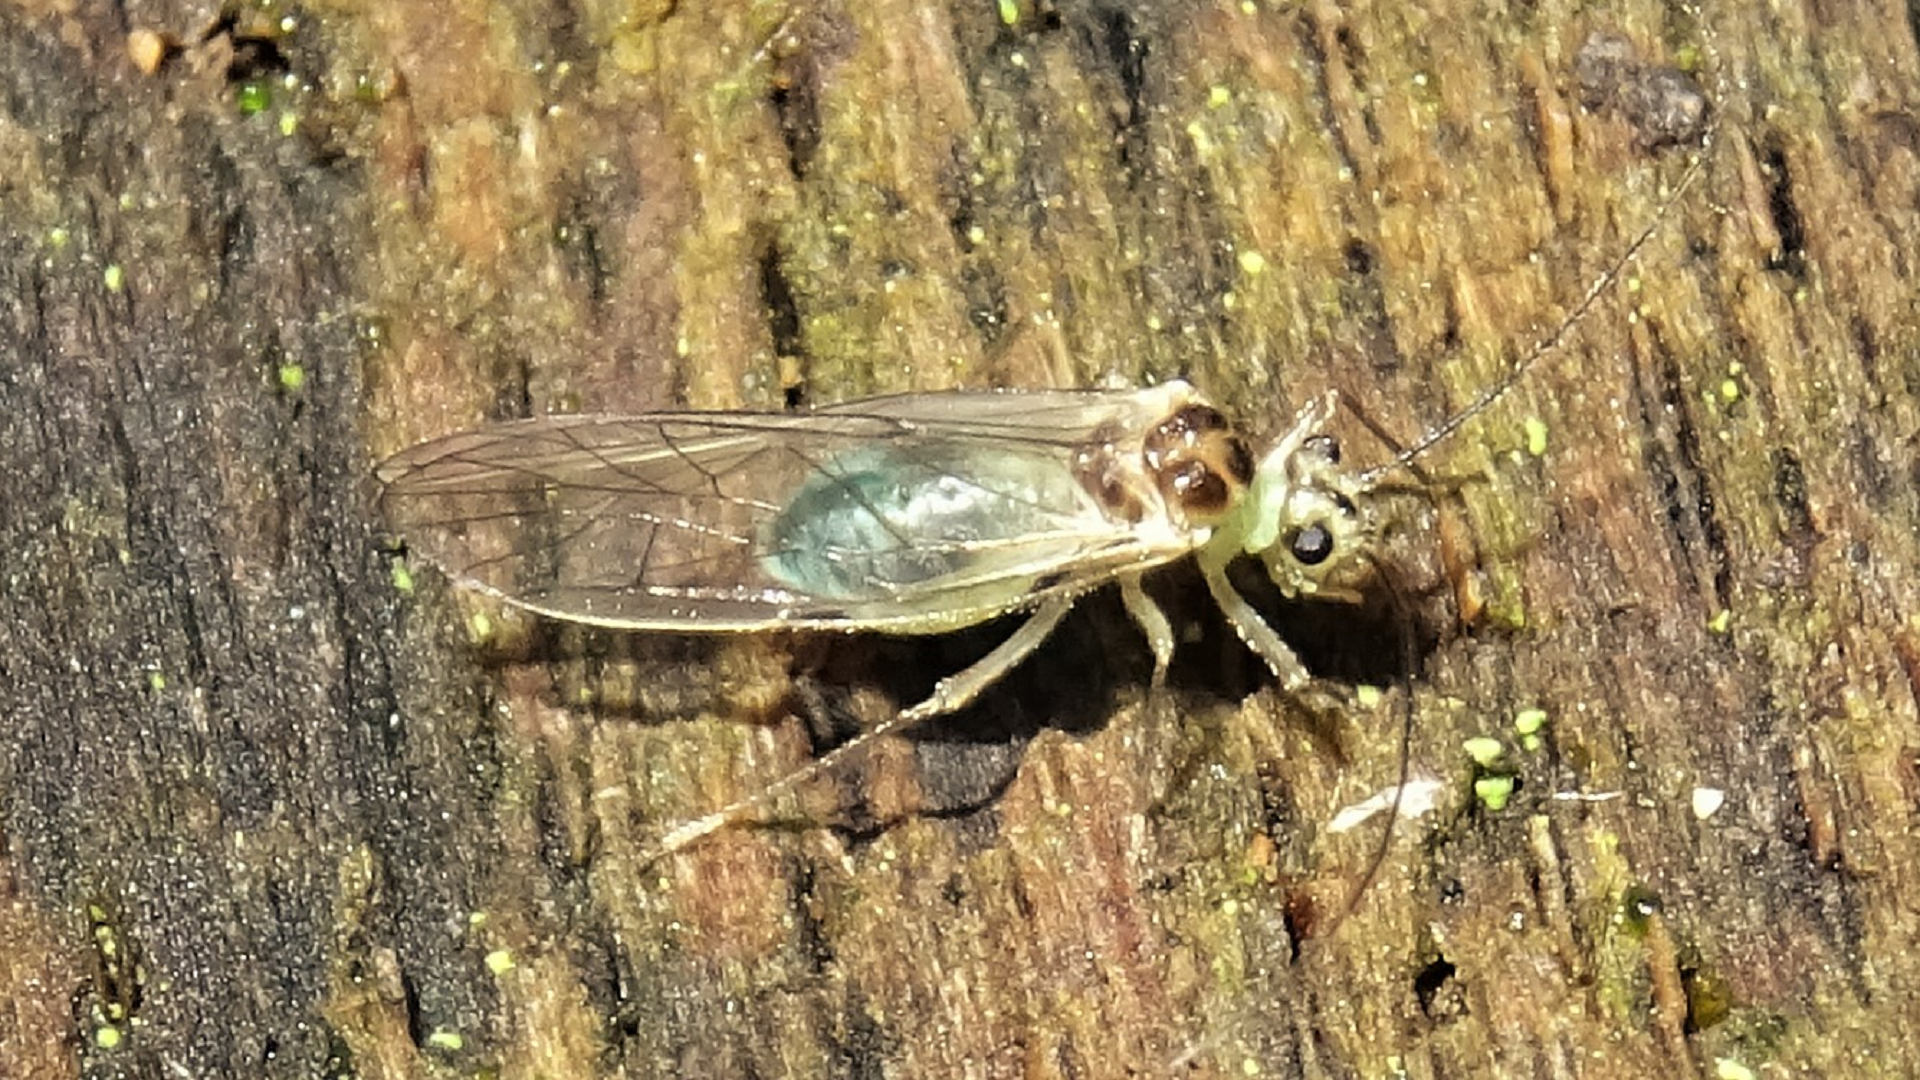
913	513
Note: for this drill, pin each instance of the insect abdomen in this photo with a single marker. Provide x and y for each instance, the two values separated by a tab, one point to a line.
878	520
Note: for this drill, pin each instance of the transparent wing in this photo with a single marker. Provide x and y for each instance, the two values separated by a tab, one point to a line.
916	513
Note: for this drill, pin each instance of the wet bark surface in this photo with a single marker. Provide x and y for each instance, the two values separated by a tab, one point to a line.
279	802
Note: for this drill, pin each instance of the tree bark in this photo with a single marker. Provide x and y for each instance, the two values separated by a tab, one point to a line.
275	807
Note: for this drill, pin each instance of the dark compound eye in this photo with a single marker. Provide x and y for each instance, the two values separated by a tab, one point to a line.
1311	545
1326	447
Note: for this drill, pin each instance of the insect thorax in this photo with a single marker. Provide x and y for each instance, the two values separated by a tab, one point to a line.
1190	466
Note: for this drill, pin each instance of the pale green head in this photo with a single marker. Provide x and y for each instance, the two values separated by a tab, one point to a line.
1302	515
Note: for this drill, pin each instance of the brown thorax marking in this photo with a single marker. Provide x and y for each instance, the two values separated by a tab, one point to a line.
1105	469
1199	464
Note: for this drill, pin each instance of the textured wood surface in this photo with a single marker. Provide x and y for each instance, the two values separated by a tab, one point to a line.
267	813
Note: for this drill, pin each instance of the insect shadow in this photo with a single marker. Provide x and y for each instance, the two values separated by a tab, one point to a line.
1093	665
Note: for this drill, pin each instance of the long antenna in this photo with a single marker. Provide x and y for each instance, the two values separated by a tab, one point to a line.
1404	459
1409	660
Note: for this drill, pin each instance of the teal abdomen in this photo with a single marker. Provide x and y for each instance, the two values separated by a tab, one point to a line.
877	521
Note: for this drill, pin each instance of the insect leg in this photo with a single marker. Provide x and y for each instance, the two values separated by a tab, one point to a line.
1152	623
961	687
950	693
1254	630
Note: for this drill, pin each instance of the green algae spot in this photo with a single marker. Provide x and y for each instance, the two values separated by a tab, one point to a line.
446	1040
1483	750
107	1037
402	578
499	962
1493	791
1721	622
1009	12
1528	723
1536	430
293	378
253	97
114	277
1202	142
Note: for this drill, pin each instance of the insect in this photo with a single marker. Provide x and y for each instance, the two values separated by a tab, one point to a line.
910	514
